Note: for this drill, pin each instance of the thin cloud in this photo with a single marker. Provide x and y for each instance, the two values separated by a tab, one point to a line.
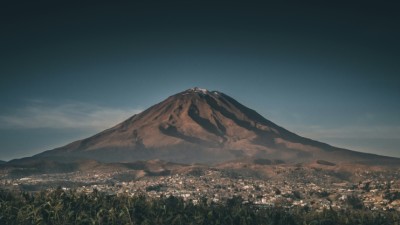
40	114
366	125
355	131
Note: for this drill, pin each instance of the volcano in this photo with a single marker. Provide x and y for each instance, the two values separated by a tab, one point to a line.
201	126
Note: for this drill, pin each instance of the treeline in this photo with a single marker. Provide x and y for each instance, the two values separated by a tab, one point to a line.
71	207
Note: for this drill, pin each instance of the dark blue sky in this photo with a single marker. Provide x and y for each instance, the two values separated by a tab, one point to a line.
327	71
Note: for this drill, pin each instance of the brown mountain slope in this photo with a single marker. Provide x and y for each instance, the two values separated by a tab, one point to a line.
202	126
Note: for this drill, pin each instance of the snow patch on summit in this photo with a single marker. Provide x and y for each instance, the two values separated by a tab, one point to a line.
199	90
202	91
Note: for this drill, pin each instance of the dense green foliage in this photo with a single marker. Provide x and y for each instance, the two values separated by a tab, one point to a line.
70	207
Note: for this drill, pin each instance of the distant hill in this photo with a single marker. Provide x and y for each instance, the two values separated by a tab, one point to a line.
35	166
201	126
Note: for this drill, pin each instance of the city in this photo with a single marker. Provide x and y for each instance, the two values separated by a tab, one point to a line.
292	186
